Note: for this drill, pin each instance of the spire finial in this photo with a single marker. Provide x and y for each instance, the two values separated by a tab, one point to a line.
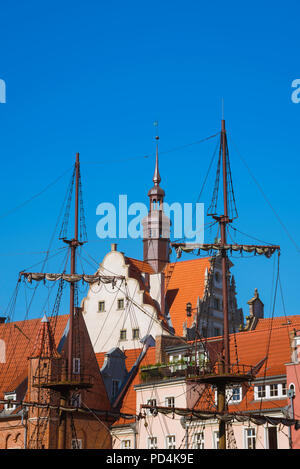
156	177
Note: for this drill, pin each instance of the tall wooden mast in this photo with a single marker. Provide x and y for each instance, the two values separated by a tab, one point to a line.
224	374
74	243
223	220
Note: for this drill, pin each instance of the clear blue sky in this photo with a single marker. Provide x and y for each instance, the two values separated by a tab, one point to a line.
92	77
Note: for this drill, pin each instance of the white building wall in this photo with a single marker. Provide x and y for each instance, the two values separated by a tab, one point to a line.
104	326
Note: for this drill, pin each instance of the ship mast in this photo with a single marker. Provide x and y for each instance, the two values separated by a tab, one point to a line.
69	379
73	243
224	373
224	220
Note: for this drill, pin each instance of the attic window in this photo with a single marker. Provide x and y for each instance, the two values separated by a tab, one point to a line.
270	391
10	397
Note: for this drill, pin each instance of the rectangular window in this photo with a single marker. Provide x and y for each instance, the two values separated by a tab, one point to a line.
236	394
135	333
101	306
273	390
76	444
283	389
272	438
152	442
170	442
170	402
152	403
115	387
261	392
121	303
9	405
123	334
198	440
216	303
216	440
76	366
250	438
126	444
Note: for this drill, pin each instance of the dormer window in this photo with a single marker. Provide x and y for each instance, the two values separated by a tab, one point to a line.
270	391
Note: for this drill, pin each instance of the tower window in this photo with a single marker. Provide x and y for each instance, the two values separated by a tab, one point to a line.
101	306
135	333
76	366
123	334
121	303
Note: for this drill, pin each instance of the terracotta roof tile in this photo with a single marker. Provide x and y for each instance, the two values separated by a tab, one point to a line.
185	283
16	342
129	401
45	344
142	266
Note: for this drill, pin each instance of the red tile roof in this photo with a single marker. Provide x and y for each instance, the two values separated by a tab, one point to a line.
17	340
131	357
129	401
141	266
271	340
185	283
45	344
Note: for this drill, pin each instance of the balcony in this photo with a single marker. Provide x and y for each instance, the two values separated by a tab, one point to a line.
75	381
205	373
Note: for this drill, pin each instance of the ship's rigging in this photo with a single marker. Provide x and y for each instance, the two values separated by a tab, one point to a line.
225	371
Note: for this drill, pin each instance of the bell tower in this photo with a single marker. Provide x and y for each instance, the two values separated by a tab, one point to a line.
156	225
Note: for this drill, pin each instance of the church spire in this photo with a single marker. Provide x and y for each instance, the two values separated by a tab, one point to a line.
156	177
156	225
